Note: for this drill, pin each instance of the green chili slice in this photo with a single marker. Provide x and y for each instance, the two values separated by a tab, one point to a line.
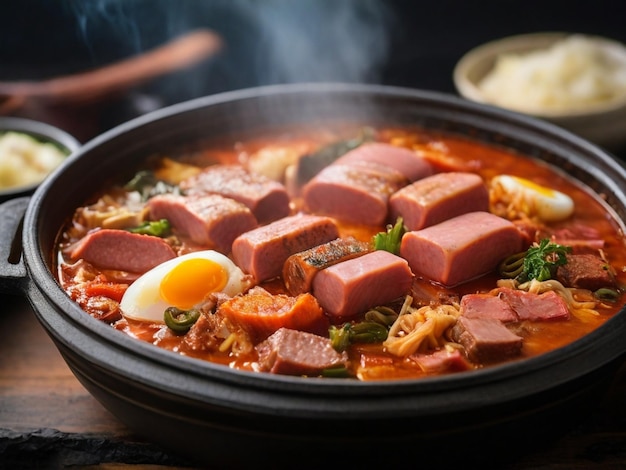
336	372
368	332
391	239
512	266
385	316
180	321
607	294
340	337
363	332
157	228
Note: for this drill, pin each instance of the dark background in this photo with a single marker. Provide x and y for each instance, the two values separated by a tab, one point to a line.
397	42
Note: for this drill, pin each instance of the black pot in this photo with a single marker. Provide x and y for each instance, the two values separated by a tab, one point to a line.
225	417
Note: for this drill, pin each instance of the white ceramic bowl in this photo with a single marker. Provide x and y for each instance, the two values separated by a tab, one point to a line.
41	132
602	122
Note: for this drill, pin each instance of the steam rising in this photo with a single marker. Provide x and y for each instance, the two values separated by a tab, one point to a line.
267	42
320	40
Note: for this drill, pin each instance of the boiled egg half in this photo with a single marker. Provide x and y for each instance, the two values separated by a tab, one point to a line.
533	199
183	282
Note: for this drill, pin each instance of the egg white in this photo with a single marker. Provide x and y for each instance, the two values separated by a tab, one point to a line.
546	203
142	300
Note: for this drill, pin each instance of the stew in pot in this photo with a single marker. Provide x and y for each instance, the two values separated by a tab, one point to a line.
362	253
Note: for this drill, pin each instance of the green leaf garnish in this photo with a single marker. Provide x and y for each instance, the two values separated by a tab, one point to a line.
157	228
390	240
542	260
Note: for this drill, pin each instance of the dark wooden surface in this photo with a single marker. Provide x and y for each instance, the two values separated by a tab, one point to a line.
48	420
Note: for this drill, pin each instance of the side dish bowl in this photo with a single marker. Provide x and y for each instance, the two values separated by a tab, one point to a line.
45	138
576	68
226	418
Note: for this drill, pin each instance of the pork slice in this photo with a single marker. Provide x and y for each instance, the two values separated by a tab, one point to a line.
486	339
267	199
487	306
403	160
294	352
353	286
122	250
355	193
300	268
585	271
262	252
439	197
210	220
462	248
535	307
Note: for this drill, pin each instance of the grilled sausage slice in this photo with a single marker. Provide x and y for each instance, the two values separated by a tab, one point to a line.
300	268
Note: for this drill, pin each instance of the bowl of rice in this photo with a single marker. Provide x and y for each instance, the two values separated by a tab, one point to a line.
575	81
29	151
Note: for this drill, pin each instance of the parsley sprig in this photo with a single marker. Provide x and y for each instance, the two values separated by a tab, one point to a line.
542	260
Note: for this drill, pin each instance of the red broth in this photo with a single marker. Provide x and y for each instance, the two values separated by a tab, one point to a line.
372	361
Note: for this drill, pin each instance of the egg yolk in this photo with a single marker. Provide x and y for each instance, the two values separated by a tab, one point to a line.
535	187
188	283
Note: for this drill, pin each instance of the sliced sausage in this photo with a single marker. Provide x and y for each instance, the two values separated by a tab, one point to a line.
439	197
462	248
300	268
353	286
356	193
403	160
210	220
123	251
262	252
294	352
267	199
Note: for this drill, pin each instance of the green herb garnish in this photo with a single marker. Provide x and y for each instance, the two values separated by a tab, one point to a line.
541	261
157	228
390	240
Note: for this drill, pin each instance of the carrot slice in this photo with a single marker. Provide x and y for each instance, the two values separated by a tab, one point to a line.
261	313
111	290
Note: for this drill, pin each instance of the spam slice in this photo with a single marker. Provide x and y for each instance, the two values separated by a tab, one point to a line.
403	160
461	248
350	287
262	252
355	193
267	199
439	197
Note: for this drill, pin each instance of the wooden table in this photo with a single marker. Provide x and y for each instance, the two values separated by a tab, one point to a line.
48	420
